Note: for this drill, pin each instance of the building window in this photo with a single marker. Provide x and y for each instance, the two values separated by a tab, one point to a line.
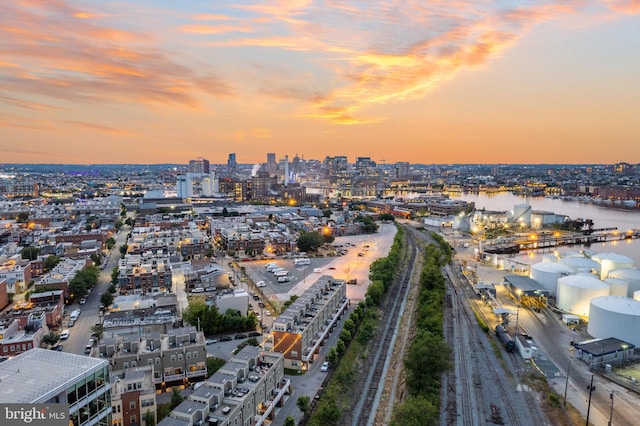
188	355
132	405
125	365
133	419
195	354
158	361
173	358
179	357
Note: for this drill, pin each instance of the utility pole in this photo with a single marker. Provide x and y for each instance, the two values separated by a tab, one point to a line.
611	413
566	384
590	388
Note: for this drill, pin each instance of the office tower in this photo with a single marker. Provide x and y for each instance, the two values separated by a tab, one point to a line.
200	165
271	163
286	170
232	165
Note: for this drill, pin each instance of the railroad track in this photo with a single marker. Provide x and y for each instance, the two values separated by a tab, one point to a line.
365	407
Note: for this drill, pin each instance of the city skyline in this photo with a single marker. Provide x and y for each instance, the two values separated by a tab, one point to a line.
423	82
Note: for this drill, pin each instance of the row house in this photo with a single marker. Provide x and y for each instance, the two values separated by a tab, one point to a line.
77	238
301	329
234	240
51	303
145	273
60	276
17	274
178	356
133	396
247	390
16	339
4	295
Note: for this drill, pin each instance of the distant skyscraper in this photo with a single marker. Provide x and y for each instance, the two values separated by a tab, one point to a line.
271	163
403	169
200	165
232	165
286	170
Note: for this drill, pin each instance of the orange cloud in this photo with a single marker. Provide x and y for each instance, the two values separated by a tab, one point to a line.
625	6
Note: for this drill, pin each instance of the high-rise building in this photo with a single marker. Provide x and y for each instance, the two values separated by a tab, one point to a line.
271	163
402	169
199	165
232	165
196	185
40	376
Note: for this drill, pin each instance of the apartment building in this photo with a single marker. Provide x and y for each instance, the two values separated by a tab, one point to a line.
133	396
144	273
44	376
60	276
177	356
299	331
244	392
16	338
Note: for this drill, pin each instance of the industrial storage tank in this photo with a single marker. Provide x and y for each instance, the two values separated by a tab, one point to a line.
610	261
636	295
615	316
576	291
522	214
617	287
629	275
547	274
581	264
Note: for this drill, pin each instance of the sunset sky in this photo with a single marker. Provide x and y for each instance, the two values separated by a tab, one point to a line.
448	81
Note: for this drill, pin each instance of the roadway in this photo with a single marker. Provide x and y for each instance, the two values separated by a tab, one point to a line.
81	331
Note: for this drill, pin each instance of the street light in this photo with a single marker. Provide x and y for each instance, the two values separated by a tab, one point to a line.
624	349
590	388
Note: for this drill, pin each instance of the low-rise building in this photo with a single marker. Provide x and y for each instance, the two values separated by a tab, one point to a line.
300	330
133	396
178	356
17	274
145	273
245	391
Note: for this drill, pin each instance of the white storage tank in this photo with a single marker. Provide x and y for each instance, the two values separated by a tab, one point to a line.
522	214
610	261
630	275
576	291
617	287
581	264
547	274
615	316
636	295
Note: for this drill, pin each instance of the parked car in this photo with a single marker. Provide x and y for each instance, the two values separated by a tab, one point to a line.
65	334
240	336
226	339
261	284
317	270
210	341
283	279
254	334
325	366
82	301
360	254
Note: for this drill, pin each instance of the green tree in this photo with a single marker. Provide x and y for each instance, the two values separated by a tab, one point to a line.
22	217
214	364
176	397
51	338
426	360
328	238
112	289
326	213
367	223
225	212
110	243
114	276
332	356
340	347
95	257
130	222
304	403
97	331
289	421
309	241
149	418
30	253
123	250
415	411
386	216
50	262
106	299
345	336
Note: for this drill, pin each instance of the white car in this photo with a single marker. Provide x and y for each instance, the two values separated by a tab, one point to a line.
325	366
317	270
210	341
283	279
261	284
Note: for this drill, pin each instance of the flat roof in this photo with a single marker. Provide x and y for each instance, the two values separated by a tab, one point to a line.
603	346
38	374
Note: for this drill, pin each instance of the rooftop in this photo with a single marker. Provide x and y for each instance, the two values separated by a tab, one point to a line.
38	374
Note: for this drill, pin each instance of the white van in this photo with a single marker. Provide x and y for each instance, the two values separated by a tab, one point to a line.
282	273
65	334
270	268
302	261
198	290
277	270
270	265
